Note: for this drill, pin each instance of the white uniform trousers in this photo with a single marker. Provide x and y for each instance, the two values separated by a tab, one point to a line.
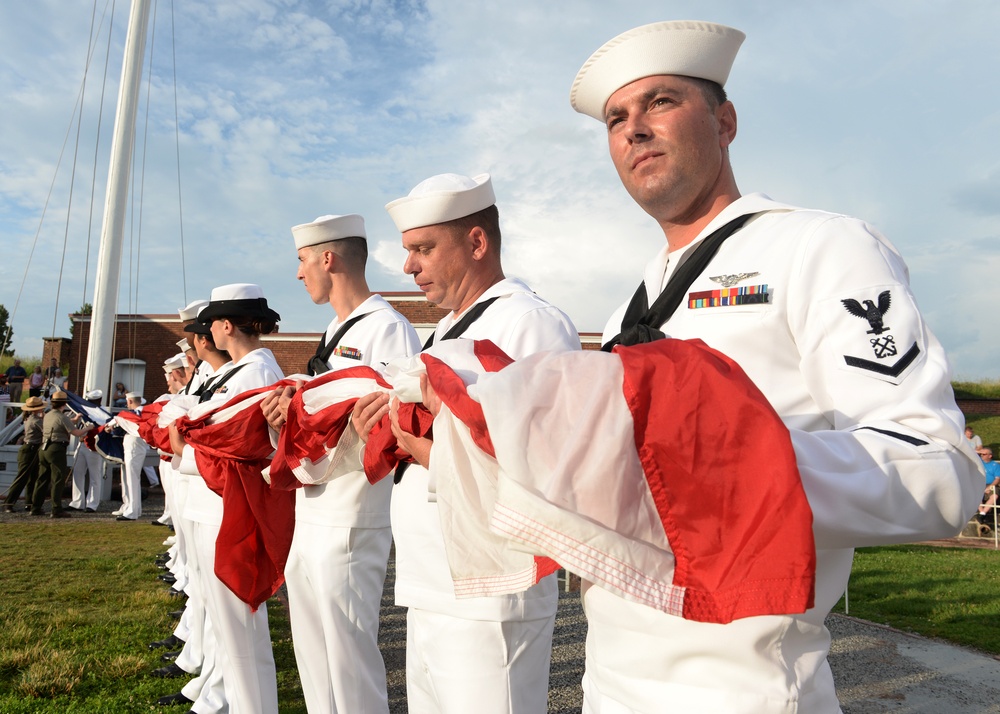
135	453
167	478
244	640
191	625
200	652
334	577
457	666
176	495
207	690
88	464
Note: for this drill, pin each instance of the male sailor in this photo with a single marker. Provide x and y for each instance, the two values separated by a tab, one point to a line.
337	563
88	468
483	654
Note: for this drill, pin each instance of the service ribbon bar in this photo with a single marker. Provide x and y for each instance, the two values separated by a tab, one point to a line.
729	297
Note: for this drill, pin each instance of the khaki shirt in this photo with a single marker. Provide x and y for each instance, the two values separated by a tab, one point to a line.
33	429
56	427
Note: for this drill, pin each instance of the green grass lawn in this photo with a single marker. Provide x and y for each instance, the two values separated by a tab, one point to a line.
80	603
949	593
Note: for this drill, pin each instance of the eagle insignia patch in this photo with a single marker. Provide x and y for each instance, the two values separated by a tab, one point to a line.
871	312
883	344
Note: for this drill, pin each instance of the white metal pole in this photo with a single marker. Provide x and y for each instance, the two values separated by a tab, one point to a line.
102	324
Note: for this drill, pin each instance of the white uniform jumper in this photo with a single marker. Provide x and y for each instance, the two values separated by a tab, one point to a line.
487	654
817	310
337	563
244	654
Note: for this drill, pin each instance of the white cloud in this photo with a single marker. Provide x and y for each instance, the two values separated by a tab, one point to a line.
290	109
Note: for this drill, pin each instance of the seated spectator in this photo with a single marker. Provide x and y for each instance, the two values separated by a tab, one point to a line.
985	515
974	441
118	399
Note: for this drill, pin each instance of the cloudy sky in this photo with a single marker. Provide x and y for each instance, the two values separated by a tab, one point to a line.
289	109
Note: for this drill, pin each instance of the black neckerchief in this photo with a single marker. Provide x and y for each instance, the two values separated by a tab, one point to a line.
453	333
211	386
462	325
318	362
187	387
641	322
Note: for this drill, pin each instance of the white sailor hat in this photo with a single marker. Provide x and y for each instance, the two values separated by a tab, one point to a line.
440	199
191	311
135	397
93	395
178	361
327	228
704	50
183	345
237	300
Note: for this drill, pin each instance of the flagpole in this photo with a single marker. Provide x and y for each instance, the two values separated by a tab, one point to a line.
102	327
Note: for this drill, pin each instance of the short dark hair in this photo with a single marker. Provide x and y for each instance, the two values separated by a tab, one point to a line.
488	219
353	251
713	92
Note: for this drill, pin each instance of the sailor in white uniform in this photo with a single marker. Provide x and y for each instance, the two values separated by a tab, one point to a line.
484	654
337	563
88	468
237	316
132	464
816	308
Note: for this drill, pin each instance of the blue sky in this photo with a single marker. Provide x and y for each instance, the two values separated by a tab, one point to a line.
290	109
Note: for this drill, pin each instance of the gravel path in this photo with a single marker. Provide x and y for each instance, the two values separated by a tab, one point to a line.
877	669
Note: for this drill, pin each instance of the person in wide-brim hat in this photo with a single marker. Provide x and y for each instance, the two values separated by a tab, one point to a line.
33	404
238	300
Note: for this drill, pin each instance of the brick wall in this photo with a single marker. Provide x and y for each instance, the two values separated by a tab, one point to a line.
153	339
58	347
979	407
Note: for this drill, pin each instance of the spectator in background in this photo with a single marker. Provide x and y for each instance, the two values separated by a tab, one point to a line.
55	383
973	438
16	375
118	399
51	370
985	515
35	382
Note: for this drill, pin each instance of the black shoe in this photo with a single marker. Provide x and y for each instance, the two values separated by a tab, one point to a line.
172	641
176	593
167	578
38	513
169	656
171	671
172	699
163	556
157	523
9	509
91	510
74	508
59	514
176	614
123	518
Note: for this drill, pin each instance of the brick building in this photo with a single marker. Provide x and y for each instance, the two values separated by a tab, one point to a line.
143	342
